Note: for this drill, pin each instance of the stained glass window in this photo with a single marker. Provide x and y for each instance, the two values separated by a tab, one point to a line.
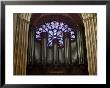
55	30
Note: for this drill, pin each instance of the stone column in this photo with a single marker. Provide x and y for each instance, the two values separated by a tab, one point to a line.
26	29
21	42
18	48
15	40
90	23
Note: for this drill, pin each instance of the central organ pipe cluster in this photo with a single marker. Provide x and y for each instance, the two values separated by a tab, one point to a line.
55	43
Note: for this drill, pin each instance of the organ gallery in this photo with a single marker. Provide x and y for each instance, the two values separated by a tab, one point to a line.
55	44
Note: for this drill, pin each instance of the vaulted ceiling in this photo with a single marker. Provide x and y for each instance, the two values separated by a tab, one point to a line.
69	18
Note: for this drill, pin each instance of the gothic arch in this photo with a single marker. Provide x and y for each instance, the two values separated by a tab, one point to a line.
69	53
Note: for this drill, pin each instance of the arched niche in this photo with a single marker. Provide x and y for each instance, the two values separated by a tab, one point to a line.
77	48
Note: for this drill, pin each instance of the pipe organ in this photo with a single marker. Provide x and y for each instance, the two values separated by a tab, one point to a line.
72	51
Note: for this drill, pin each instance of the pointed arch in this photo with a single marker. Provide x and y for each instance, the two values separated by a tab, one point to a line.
43	33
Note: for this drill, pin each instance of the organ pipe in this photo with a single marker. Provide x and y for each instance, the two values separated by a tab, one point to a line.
37	52
44	48
61	55
73	52
67	48
55	52
49	55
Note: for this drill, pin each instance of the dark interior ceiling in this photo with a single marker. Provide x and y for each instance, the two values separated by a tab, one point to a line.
72	18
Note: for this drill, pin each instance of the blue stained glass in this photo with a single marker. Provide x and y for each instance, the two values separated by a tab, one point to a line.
43	26
40	29
63	29
72	32
66	26
54	37
52	25
61	25
37	36
69	29
48	25
73	36
58	33
50	33
44	31
56	25
38	32
55	33
55	30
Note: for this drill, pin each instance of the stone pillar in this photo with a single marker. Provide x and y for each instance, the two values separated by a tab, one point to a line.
21	42
17	46
90	23
15	40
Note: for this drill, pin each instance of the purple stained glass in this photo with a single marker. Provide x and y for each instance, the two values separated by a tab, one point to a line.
55	30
